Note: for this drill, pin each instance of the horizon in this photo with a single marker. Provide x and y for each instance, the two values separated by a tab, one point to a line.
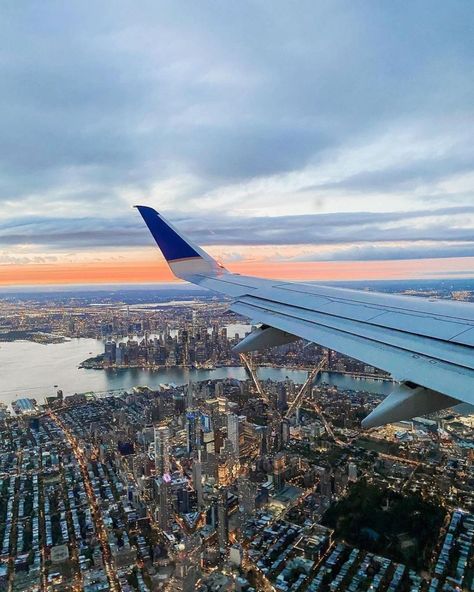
186	287
145	272
337	146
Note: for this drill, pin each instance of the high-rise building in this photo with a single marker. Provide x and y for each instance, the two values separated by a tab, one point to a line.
110	351
340	481
184	500
352	471
247	494
119	355
263	436
189	395
284	432
209	441
325	483
163	485
162	450
197	481
206	422
233	432
222	521
282	399
193	427
210	465
212	513
279	467
179	402
219	389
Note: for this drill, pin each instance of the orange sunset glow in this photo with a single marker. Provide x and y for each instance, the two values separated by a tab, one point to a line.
322	145
149	271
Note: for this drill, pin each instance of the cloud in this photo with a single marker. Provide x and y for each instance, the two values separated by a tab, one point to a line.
382	252
443	232
343	112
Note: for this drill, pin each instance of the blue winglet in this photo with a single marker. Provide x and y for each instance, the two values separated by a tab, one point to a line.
172	245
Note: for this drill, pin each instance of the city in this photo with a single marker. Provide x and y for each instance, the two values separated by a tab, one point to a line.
237	296
223	484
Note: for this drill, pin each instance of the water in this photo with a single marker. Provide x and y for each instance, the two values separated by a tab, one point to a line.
29	369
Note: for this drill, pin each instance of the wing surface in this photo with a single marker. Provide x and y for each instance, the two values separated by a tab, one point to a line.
424	344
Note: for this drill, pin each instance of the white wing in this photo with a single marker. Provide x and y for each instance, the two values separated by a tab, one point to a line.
427	345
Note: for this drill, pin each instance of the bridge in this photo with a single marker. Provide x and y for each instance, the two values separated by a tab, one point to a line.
298	400
247	363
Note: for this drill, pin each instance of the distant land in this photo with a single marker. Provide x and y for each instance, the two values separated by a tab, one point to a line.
128	294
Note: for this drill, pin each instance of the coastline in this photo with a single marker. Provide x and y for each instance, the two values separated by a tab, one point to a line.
231	364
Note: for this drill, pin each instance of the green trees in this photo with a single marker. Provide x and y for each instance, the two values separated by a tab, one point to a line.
386	522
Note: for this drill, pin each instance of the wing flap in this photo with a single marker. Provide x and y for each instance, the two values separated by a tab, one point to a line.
403	364
437	349
376	314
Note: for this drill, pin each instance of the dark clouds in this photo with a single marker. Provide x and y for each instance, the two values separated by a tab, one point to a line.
318	229
381	252
104	104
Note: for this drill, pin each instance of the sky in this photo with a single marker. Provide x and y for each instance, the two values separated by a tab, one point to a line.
300	140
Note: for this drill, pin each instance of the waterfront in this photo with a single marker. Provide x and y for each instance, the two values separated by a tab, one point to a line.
29	369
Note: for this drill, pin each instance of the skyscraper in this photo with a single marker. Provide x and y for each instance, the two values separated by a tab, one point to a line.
193	427
284	432
162	450
197	481
247	494
282	401
233	432
279	471
352	472
222	521
110	352
163	485
189	395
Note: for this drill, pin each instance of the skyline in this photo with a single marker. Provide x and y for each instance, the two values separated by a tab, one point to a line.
332	142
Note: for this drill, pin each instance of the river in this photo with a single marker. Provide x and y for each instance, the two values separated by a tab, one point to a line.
28	369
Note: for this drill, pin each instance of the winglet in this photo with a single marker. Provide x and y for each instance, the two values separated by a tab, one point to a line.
184	257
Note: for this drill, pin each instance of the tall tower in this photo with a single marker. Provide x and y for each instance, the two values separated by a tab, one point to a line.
189	395
352	472
247	494
233	432
197	481
284	432
279	471
162	450
282	400
110	352
222	521
193	427
165	510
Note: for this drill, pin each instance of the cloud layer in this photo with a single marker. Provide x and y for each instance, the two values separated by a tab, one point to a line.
329	123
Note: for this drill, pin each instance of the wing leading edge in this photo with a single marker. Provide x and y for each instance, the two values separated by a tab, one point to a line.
427	346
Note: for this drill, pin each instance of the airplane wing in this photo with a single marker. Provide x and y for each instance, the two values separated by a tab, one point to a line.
426	345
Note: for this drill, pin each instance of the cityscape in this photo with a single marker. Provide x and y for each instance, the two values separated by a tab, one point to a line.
243	483
237	296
